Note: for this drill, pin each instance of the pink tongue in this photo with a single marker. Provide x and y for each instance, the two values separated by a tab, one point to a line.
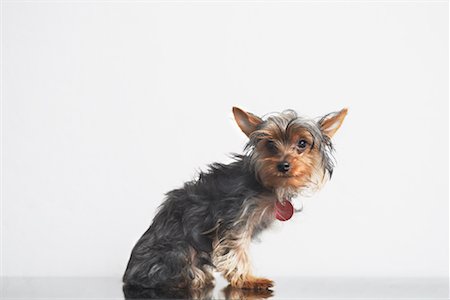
284	212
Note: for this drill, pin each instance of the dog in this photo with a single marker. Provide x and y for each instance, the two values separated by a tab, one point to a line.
209	223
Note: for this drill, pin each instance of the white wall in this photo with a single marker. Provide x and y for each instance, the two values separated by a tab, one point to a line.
107	106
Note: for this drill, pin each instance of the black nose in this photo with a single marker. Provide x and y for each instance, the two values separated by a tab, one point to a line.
283	166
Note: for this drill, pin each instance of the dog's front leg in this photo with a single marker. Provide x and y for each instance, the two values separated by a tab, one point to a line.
231	259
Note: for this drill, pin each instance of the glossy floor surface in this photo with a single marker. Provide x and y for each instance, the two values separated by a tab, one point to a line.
286	288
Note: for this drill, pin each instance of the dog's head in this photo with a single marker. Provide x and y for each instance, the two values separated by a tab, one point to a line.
290	153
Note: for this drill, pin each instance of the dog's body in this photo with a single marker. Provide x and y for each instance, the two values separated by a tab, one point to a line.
195	227
210	222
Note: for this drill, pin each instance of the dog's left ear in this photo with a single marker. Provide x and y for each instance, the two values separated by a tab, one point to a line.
330	123
246	121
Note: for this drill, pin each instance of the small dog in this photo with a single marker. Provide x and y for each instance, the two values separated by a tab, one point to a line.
209	222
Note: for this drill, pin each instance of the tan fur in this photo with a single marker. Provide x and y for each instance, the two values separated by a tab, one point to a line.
246	294
246	121
201	278
230	253
304	164
331	125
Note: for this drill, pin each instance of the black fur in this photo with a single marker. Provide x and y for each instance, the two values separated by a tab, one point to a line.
161	258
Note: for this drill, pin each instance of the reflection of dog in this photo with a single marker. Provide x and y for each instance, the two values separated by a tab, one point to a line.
231	293
209	222
137	292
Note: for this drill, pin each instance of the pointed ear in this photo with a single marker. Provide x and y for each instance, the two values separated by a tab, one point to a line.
330	123
246	121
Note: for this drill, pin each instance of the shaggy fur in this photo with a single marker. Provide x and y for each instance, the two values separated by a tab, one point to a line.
209	222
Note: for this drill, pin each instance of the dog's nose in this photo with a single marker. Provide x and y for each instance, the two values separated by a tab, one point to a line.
283	166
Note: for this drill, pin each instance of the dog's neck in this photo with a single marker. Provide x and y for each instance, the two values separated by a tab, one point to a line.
285	194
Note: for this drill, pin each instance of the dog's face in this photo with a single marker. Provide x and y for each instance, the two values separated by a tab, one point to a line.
290	153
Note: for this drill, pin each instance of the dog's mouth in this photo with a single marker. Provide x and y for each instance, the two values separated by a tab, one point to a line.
287	176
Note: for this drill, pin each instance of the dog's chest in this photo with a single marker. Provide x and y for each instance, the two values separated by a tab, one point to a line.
256	214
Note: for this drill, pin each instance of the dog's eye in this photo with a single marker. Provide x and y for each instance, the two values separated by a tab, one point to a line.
302	144
271	146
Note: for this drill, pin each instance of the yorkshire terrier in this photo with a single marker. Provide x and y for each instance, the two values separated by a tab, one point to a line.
209	223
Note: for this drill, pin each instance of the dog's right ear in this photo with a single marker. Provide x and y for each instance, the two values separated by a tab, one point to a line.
246	121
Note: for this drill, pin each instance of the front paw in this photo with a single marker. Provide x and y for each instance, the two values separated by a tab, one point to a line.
256	283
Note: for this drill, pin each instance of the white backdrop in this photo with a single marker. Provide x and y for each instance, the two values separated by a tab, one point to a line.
108	105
